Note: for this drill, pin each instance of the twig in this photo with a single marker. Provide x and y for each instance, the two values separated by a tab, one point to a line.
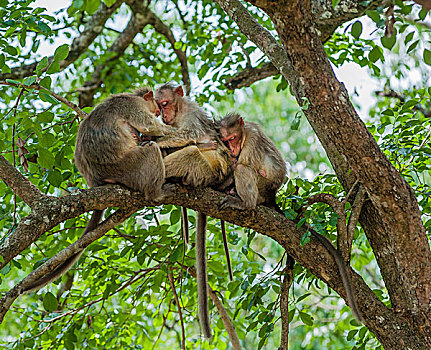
73	106
349	193
171	280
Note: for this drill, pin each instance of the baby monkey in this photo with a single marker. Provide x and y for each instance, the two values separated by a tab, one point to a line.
259	171
258	167
113	146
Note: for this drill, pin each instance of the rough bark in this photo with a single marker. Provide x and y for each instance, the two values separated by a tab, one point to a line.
391	219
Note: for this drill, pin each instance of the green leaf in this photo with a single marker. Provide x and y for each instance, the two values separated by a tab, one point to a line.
43	27
92	6
55	178
296	120
335	3
54	67
3	3
46	82
45	159
427	57
178	45
11	50
45	117
50	302
374	54
109	3
2	60
357	29
175	215
388	43
305	238
47	98
306	318
61	52
29	81
41	65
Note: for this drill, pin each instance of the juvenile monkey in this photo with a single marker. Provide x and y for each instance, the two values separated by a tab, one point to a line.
258	167
194	165
108	151
259	171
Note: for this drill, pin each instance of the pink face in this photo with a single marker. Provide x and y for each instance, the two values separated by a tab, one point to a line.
168	103
152	105
233	142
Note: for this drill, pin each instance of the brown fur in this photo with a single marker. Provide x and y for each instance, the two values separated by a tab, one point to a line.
107	151
256	155
194	165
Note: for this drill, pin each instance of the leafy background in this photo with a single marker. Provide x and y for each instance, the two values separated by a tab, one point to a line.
121	297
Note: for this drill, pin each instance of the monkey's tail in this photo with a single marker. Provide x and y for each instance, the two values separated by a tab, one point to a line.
345	276
226	249
185	225
201	272
61	269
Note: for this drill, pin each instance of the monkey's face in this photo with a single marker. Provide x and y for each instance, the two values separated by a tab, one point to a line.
151	104
232	140
168	106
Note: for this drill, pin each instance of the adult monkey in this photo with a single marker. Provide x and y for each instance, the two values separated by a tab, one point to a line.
109	149
194	166
259	171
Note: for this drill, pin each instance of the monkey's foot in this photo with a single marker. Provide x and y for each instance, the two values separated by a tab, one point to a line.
231	202
168	190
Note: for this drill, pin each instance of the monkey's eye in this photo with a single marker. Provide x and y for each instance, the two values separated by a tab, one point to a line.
164	103
231	139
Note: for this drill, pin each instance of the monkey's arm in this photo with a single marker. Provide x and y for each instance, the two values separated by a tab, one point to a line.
246	186
154	128
181	138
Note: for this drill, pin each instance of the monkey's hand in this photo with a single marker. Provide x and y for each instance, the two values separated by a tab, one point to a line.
146	143
207	146
232	202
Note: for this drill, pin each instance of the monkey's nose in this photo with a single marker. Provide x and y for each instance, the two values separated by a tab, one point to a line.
158	112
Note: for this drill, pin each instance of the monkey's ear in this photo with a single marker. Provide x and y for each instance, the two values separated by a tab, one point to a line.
179	91
148	96
241	121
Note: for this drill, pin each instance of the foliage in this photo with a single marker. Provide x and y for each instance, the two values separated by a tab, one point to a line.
121	296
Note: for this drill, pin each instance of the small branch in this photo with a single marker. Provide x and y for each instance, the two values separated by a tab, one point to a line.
388	92
354	216
284	303
250	75
113	220
230	328
73	106
171	280
79	45
22	187
346	199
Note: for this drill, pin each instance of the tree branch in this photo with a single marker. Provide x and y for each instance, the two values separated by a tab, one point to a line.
73	106
79	45
113	220
135	25
183	333
393	94
284	303
354	217
23	188
163	29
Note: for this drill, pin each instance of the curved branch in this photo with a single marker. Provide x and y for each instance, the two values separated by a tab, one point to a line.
22	187
163	29
79	45
113	220
135	25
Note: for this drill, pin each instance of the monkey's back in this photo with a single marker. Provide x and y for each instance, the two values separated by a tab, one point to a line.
105	135
261	153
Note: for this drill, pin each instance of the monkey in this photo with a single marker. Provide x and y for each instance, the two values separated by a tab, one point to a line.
110	149
194	166
259	171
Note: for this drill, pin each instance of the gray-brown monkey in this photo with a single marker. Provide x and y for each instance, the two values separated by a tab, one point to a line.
194	166
107	151
259	168
259	171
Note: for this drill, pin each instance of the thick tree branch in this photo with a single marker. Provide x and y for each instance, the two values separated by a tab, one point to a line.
93	28
23	188
327	20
